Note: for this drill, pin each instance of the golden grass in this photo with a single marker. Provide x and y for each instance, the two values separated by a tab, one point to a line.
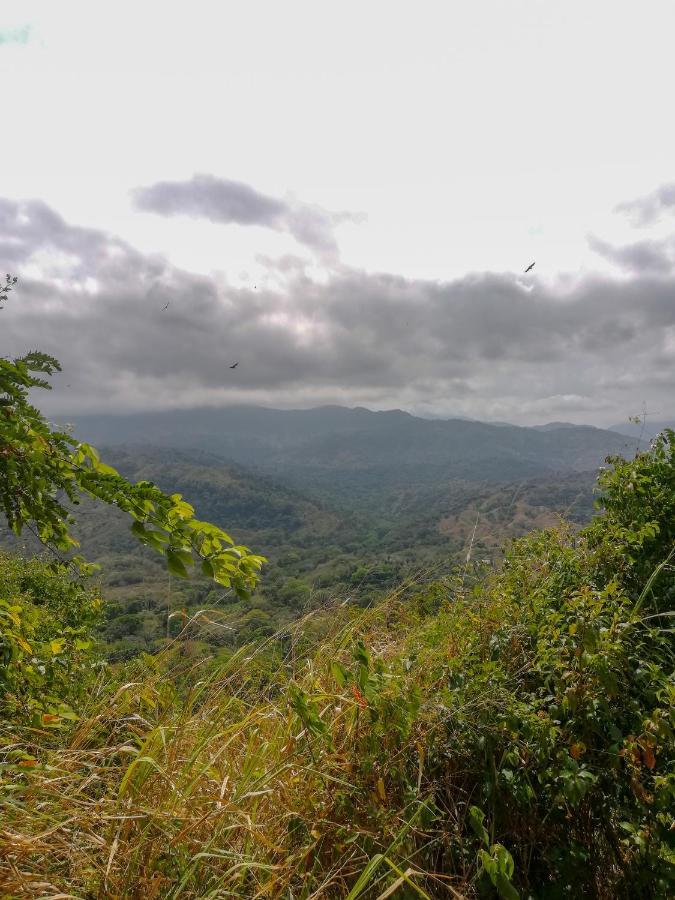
216	789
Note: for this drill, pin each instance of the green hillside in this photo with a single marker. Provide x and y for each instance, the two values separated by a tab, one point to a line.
319	549
292	531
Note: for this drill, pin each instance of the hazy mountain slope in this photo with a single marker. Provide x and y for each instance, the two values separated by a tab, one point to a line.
499	511
334	449
246	503
647	431
340	500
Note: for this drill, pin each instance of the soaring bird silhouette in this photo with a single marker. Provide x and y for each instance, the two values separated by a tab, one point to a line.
531	266
167	305
234	366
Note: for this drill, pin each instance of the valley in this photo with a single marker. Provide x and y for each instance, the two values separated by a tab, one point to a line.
343	503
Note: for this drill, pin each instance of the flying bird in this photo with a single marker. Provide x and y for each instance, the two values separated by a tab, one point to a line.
234	366
167	305
531	266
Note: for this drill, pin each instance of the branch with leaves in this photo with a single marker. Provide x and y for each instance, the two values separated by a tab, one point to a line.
5	288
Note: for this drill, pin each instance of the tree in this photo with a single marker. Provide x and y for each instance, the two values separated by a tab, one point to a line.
42	469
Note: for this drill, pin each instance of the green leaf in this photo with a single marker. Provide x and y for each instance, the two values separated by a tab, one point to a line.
156	540
185	557
476	819
488	863
504	859
504	887
175	564
339	673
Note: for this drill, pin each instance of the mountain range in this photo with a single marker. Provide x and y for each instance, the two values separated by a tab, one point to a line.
334	449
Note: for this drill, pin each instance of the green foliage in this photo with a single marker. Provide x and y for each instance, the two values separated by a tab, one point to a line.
47	653
546	695
41	468
638	500
6	288
497	863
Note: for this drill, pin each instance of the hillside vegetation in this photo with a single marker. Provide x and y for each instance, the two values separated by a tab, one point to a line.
318	550
510	735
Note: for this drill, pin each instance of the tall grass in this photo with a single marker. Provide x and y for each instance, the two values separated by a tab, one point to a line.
512	737
206	782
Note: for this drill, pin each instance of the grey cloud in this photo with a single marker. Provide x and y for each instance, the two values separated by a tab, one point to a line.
213	198
232	202
32	225
482	345
651	257
646	210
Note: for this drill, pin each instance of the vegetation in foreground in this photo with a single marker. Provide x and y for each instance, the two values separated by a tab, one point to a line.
511	736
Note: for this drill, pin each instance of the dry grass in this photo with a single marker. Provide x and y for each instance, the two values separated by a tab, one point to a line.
216	789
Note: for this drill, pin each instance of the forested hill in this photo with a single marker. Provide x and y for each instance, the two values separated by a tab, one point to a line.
336	498
336	447
365	544
294	533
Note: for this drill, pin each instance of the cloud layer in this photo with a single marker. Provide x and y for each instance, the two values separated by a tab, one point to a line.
646	210
233	202
485	345
649	257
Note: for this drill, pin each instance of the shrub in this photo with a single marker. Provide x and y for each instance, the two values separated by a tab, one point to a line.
47	658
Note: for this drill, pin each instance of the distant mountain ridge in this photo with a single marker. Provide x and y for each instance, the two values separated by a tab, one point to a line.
647	432
556	426
336	448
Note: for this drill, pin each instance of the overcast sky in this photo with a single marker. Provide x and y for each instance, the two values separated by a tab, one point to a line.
342	197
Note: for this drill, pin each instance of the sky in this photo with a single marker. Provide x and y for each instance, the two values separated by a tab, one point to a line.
342	198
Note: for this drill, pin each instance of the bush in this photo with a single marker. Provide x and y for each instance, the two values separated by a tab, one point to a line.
47	658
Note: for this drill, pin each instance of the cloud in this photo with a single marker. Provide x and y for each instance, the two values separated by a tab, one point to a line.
233	202
646	210
652	257
32	227
482	345
213	198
